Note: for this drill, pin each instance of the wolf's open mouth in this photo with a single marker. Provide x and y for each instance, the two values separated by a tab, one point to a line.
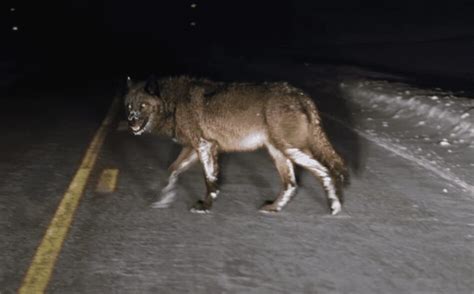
138	129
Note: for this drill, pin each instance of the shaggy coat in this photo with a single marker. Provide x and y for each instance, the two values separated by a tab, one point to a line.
208	118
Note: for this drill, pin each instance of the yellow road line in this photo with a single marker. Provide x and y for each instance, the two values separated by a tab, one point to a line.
39	273
107	181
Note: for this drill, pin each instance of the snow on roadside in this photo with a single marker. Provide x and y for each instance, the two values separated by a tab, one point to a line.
453	116
431	127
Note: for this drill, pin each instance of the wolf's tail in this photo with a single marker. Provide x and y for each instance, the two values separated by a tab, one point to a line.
322	148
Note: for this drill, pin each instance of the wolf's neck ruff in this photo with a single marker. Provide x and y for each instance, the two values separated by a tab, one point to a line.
165	126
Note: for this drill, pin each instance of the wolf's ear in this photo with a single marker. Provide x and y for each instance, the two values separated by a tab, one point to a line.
129	82
152	87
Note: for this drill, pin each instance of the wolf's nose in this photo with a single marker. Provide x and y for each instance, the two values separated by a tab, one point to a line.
133	115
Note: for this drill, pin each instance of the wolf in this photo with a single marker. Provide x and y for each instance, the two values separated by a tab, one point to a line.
208	118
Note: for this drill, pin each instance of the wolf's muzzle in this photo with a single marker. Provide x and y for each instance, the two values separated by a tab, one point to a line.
133	115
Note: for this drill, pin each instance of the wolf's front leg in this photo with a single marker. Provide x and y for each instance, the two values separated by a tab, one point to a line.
185	159
207	152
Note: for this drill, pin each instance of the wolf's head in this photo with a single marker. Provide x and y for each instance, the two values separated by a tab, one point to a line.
143	105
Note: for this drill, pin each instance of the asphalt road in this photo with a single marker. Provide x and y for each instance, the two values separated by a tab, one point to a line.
398	232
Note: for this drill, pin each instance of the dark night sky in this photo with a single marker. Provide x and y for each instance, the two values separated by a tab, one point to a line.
86	31
242	20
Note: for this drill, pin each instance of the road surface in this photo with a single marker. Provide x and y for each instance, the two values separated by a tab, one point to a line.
398	231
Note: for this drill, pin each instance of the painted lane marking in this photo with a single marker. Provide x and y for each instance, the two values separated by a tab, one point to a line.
107	181
39	273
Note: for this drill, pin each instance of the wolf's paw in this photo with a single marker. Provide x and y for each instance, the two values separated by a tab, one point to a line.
201	207
160	204
269	207
335	207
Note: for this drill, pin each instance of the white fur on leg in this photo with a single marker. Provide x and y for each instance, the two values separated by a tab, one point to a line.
214	194
168	194
199	211
307	161
167	198
205	155
171	182
335	207
187	163
287	194
290	189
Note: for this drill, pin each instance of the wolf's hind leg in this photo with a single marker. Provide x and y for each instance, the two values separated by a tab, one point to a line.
207	152
286	170
185	160
306	160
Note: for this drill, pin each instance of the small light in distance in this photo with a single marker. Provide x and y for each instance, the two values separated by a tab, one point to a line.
12	9
14	28
193	23
194	5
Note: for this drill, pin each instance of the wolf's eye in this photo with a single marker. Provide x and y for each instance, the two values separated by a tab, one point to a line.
129	106
143	106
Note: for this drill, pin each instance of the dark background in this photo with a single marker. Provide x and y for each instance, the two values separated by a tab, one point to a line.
61	69
103	38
